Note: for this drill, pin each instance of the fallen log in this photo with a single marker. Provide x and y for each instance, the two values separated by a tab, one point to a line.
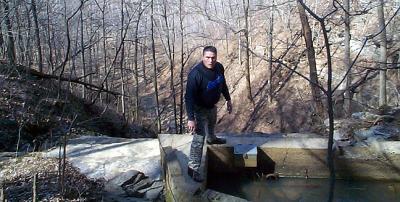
73	80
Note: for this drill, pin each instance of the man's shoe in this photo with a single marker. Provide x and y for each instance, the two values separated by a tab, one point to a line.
217	141
194	175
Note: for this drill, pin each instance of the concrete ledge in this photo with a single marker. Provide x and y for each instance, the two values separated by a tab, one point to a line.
288	155
179	186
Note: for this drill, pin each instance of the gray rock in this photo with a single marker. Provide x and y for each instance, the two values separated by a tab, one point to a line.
365	116
340	135
135	190
154	191
120	180
134	179
364	134
337	123
386	132
379	132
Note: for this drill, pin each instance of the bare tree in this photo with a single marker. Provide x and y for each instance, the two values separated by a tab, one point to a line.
328	92
28	46
169	50
37	35
182	66
10	39
135	58
102	9
20	40
347	61
83	52
246	6
1	36
270	39
121	62
316	95
383	54
50	55
153	47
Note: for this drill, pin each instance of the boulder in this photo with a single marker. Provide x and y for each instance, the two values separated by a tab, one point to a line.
383	132
141	186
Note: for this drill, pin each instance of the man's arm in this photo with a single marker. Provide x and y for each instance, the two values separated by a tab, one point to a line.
225	92
191	88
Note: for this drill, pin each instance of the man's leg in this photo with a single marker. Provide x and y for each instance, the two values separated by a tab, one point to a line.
212	121
196	148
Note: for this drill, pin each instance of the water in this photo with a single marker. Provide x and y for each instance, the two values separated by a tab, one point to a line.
300	189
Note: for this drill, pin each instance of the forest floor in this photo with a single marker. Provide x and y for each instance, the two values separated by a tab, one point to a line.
33	119
18	178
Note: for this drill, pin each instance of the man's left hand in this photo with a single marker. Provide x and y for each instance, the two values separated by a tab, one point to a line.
229	106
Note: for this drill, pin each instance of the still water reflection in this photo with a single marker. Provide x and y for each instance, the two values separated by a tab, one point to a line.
300	189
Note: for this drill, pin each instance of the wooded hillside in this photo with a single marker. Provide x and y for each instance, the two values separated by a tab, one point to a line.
289	64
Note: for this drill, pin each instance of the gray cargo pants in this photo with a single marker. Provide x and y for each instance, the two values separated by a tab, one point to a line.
205	124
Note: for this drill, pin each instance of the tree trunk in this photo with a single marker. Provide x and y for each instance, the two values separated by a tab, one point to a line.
20	41
383	55
104	37
49	38
83	54
135	58
122	62
37	36
182	67
316	95
34	188
155	69
170	55
144	53
2	195
329	94
347	63
270	35
28	46
10	39
1	37
247	51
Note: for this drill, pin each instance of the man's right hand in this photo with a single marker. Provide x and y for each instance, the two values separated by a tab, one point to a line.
191	126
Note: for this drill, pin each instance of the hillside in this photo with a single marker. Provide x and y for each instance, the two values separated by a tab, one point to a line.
33	118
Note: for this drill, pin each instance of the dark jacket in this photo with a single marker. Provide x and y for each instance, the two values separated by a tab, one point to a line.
204	87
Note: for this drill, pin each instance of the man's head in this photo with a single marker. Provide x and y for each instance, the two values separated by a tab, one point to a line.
209	56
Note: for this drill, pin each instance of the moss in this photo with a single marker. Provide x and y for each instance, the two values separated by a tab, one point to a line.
168	196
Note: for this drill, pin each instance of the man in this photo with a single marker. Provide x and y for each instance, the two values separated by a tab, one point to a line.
205	83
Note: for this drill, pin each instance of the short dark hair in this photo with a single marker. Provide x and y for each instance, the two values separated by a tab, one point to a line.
210	49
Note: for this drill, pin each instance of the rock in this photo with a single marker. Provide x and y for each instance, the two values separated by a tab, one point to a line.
134	179
365	116
384	119
387	132
155	190
394	112
379	132
120	179
340	135
141	186
339	123
364	134
136	190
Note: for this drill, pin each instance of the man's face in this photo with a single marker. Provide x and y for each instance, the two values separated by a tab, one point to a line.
209	59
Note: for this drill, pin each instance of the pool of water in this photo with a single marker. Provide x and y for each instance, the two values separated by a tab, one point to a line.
301	189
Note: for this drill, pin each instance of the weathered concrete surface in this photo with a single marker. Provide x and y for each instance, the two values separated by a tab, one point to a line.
179	186
298	155
376	160
114	159
289	155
